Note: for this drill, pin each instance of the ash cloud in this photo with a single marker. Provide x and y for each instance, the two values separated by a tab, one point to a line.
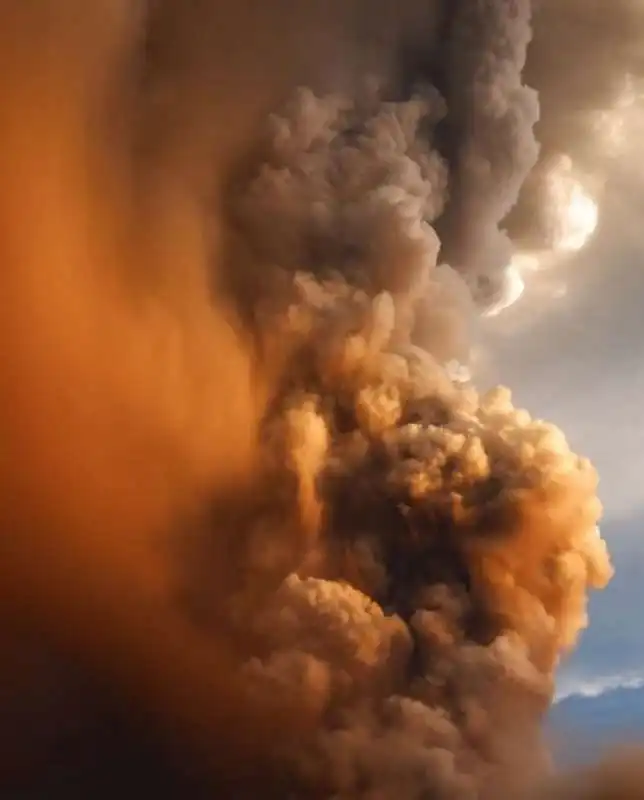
491	119
245	491
585	101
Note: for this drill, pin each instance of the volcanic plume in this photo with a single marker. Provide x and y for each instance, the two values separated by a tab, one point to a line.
248	492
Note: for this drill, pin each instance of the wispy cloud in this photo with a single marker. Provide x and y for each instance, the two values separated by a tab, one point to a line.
597	686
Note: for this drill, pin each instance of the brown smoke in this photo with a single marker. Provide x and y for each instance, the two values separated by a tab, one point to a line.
241	490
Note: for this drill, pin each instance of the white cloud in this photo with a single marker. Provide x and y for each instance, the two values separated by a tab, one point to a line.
597	686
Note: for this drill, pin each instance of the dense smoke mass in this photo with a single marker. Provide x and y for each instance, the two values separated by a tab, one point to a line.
270	515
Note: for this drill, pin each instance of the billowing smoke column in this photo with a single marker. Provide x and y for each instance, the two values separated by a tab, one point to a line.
311	513
451	538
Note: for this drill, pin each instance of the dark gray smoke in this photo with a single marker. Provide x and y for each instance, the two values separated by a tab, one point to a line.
242	248
491	128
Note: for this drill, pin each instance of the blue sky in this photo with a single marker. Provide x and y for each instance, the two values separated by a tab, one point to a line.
578	360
